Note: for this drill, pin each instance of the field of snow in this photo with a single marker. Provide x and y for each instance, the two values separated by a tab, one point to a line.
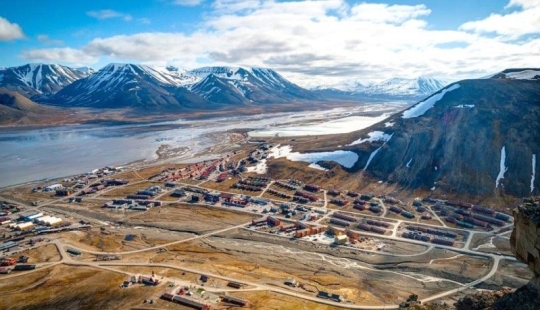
345	158
420	108
523	75
502	167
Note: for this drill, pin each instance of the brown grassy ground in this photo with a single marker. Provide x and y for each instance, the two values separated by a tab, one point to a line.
192	218
269	300
254	264
43	254
64	287
128	189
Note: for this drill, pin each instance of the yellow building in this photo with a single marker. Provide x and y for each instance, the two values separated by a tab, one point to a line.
341	239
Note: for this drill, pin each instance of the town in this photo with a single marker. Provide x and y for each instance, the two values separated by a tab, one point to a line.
123	202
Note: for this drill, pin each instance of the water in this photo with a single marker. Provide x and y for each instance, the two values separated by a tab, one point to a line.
36	154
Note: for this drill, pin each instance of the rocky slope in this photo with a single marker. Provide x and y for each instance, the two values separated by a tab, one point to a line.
17	109
40	80
474	137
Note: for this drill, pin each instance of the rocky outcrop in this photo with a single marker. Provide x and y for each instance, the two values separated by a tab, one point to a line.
525	239
481	300
525	242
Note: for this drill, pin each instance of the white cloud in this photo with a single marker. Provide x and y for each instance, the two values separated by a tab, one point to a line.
43	38
66	54
107	14
187	2
512	25
9	31
321	42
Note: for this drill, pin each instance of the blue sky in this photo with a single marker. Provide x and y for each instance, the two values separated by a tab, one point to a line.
318	42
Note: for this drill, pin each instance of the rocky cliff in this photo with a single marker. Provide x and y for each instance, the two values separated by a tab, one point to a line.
525	242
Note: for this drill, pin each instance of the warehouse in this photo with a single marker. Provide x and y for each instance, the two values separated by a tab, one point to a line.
24	226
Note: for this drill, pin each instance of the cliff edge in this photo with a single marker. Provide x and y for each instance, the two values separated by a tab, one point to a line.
525	242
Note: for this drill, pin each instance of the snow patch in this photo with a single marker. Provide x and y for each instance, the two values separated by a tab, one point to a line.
463	106
502	168
318	167
533	171
260	168
420	108
374	136
372	155
389	124
409	163
523	75
345	158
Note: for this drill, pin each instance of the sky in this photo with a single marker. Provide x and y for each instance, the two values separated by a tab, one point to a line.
309	42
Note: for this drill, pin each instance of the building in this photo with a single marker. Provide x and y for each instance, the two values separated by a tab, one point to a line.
341	239
52	187
291	282
24	226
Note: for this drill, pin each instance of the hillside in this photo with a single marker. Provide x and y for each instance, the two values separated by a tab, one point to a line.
474	137
17	109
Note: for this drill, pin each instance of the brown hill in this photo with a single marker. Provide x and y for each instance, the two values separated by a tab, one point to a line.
17	109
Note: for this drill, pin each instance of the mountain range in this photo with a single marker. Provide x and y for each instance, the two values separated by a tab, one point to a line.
394	88
475	137
140	86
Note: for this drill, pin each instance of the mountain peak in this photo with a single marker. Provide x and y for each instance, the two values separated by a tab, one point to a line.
39	79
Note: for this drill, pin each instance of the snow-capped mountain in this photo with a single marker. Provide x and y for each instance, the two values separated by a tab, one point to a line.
36	80
129	85
420	87
230	85
392	88
121	85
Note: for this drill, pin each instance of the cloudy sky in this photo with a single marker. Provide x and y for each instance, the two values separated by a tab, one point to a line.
309	42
